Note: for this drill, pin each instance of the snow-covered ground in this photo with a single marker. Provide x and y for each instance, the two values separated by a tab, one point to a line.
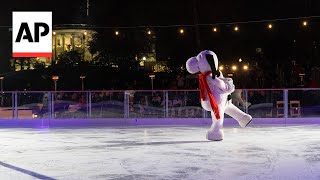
164	152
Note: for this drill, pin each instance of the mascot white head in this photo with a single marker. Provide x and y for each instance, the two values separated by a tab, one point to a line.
215	93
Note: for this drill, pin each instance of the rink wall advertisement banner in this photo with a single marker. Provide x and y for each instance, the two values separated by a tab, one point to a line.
31	34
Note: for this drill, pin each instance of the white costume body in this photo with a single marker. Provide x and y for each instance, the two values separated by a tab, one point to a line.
220	87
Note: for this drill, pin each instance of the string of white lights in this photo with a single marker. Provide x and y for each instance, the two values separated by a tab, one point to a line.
304	18
262	21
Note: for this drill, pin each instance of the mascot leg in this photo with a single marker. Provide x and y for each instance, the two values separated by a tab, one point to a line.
215	132
244	119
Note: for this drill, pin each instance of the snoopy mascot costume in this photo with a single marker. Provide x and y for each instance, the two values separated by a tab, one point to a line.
215	93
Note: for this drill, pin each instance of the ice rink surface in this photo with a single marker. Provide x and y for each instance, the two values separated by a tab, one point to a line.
164	152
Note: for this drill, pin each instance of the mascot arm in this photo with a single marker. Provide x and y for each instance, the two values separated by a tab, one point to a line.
223	86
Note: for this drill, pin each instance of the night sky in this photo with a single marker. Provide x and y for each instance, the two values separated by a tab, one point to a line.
131	13
164	12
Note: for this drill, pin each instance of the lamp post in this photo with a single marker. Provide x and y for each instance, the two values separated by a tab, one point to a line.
55	79
1	78
82	83
152	76
301	79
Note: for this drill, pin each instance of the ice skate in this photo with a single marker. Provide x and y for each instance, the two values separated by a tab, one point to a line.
215	135
245	120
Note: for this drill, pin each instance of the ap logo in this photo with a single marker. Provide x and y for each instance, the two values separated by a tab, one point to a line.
31	34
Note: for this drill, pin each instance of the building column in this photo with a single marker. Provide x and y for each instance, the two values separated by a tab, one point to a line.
72	41
55	50
84	45
63	48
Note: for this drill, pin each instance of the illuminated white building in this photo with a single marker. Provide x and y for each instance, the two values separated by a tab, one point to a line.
72	38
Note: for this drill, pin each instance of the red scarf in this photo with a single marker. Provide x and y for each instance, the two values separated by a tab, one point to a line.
204	88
